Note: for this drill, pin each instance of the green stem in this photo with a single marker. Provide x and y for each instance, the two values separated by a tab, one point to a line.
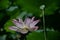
44	24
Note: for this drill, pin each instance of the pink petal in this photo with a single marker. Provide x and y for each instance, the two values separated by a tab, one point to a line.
34	23
36	27
33	29
13	28
20	20
27	21
17	23
24	32
32	19
21	31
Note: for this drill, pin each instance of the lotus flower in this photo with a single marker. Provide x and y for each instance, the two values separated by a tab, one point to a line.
24	27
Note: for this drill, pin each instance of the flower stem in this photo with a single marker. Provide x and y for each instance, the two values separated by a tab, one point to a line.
44	25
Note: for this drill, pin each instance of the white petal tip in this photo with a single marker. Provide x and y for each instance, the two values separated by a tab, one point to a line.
42	6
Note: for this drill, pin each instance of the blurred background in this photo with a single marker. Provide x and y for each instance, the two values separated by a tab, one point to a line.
10	9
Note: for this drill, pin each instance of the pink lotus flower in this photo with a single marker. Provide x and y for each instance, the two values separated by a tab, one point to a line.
24	27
